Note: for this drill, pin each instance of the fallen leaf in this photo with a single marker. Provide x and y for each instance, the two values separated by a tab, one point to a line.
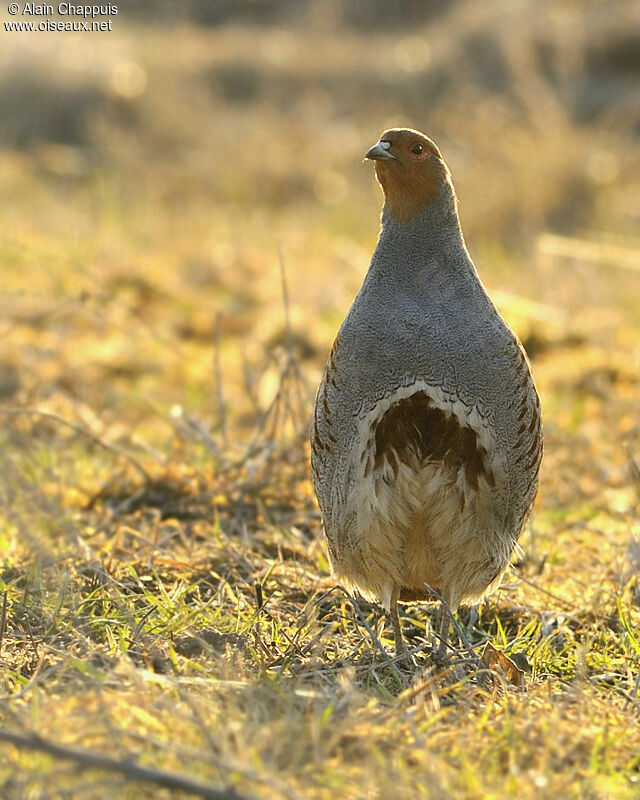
497	660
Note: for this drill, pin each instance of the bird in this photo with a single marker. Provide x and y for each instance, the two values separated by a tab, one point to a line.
426	434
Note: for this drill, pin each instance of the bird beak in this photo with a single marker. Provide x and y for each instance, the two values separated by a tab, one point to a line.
380	152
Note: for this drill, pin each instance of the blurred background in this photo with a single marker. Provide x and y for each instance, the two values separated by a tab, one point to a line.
184	220
151	175
158	180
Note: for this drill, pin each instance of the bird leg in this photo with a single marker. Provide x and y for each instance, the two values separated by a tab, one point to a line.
444	616
447	615
443	626
401	648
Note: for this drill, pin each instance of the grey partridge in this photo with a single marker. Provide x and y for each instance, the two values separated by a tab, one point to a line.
426	437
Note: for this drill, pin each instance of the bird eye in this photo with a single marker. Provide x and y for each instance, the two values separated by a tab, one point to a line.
417	149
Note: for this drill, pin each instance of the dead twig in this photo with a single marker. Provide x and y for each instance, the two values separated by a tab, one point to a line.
588	251
635	467
85	760
217	371
376	642
285	300
3	620
75	426
533	584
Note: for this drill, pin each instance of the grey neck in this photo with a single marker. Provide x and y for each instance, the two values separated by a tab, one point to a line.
428	249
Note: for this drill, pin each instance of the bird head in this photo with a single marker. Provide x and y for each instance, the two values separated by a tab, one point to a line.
411	171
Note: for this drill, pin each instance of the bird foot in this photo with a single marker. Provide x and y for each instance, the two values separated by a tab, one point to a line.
405	660
440	656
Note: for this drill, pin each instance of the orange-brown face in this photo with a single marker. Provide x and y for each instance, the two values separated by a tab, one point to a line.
410	170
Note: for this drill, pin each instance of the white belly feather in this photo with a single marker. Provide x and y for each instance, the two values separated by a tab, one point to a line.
411	518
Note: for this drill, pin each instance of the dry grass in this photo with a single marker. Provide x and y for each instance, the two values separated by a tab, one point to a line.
154	405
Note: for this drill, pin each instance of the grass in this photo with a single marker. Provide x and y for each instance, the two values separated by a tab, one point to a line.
167	595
